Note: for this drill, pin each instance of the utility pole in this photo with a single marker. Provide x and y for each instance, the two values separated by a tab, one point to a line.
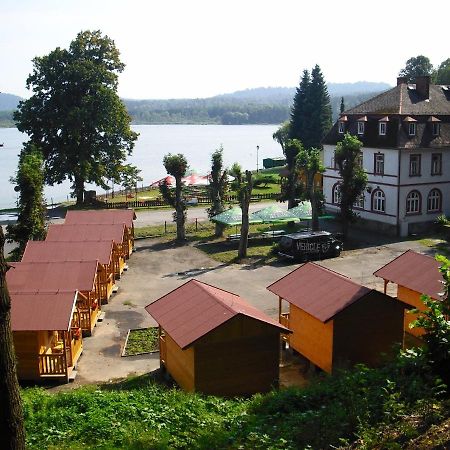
257	159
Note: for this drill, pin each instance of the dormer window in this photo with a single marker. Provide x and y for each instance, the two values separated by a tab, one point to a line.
382	128
360	127
436	128
341	127
412	128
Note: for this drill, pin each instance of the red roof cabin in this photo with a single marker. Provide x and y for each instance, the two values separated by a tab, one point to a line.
336	322
68	276
46	333
106	217
414	274
93	233
214	342
102	251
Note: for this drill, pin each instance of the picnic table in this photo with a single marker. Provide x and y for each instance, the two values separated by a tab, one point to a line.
274	234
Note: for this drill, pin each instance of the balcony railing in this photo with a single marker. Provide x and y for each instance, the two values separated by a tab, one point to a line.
52	364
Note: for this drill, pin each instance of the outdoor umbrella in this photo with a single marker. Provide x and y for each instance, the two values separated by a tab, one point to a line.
275	214
302	211
232	216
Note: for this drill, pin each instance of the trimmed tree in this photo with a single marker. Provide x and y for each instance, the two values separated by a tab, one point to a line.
291	188
353	178
12	433
75	115
176	165
243	185
29	182
218	183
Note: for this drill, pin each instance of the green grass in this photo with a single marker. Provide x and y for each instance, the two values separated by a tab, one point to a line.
140	341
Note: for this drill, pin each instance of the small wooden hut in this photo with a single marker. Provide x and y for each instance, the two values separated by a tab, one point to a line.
106	217
214	342
47	335
336	322
67	276
414	274
94	233
102	251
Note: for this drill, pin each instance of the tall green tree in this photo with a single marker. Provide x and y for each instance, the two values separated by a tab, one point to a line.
75	115
342	106
12	433
177	166
309	165
354	178
243	185
442	73
415	67
300	109
218	184
29	182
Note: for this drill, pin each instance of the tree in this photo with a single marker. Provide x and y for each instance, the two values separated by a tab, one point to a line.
176	165
342	106
75	115
29	182
354	179
442	74
282	135
130	177
291	188
415	67
218	183
309	164
243	185
12	433
300	109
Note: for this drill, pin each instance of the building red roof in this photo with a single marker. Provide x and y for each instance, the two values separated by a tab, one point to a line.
50	251
414	271
101	216
86	233
35	277
38	311
320	292
195	308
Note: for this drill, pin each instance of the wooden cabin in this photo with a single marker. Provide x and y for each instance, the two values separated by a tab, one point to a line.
336	322
102	251
47	335
106	217
94	233
414	274
67	276
214	342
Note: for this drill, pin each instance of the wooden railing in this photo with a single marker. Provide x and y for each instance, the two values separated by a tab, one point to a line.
52	364
85	320
162	350
284	319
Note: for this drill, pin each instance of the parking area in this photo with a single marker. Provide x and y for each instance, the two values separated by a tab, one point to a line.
156	268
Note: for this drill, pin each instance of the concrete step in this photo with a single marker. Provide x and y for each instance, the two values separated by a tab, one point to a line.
115	289
125	267
73	375
101	317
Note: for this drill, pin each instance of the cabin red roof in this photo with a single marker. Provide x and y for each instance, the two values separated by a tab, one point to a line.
38	311
320	292
101	216
35	277
195	308
414	271
50	251
86	233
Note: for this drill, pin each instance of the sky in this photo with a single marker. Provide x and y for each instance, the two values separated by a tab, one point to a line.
202	48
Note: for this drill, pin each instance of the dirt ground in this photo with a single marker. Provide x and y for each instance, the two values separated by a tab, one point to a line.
156	268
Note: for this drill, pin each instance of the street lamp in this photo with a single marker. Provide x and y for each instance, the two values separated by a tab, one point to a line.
257	159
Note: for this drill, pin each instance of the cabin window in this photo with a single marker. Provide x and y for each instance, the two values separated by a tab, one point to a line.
413	201
436	164
412	128
436	128
378	168
341	127
336	194
382	128
414	165
434	202
378	201
360	127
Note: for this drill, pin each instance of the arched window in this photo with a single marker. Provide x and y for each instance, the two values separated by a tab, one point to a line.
378	201
413	202
336	194
434	201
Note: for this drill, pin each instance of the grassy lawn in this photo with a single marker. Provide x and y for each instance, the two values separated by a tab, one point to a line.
141	341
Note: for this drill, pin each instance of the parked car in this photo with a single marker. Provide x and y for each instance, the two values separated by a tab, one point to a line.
309	245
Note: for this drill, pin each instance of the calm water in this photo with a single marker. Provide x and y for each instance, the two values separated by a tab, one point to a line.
196	142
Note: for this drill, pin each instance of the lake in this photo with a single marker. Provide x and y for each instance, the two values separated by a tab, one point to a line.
196	142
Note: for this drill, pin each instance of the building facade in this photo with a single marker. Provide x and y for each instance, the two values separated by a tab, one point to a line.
405	133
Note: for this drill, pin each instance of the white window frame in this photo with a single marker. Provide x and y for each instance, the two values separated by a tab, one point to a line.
434	201
412	128
436	164
359	203
415	165
382	126
341	127
435	128
413	201
336	194
378	164
379	201
360	128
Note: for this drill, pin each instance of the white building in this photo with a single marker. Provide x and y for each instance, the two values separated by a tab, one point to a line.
406	153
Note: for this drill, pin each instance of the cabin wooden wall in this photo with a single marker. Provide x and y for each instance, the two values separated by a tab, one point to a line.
411	298
241	357
312	338
26	344
367	328
180	364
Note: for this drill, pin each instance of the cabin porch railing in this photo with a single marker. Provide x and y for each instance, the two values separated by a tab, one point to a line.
52	364
85	320
284	320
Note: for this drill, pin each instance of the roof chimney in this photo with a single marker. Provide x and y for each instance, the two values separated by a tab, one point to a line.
423	86
401	80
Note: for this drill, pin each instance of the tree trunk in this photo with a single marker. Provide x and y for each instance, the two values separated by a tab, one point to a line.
179	208
243	241
219	229
291	188
79	190
315	212
12	433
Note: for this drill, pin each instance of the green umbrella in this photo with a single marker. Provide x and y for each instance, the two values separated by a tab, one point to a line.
232	216
275	214
303	211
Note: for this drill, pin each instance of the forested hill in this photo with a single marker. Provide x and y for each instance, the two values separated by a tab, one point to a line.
251	106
